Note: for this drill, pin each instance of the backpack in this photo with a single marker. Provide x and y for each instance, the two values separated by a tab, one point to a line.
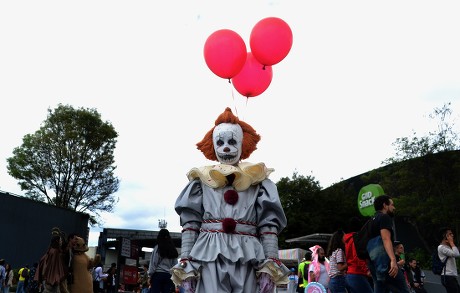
361	238
437	264
25	273
305	270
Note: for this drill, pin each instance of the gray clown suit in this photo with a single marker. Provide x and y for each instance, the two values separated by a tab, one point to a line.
230	229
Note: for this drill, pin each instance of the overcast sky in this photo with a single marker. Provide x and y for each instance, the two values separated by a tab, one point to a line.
359	75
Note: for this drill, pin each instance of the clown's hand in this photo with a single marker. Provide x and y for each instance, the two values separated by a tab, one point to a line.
266	285
189	285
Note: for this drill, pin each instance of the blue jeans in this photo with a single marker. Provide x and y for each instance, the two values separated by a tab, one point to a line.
337	284
161	283
358	284
145	290
20	288
379	266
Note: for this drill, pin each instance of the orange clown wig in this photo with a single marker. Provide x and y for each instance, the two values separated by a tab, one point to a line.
250	137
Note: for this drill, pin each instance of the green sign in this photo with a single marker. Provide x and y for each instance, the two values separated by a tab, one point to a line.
366	197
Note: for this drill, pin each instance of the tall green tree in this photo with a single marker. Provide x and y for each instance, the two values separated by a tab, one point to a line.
69	162
297	195
310	209
444	138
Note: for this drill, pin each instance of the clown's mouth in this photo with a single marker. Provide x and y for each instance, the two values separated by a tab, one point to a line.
227	158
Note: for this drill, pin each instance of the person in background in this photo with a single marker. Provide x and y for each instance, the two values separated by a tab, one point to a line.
2	275
386	274
51	266
8	279
293	281
303	272
415	276
337	263
144	279
99	278
448	249
67	247
23	277
111	279
399	253
33	286
164	257
319	268
358	273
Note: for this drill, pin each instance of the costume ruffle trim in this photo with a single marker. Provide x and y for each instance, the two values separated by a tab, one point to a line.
180	274
278	273
246	174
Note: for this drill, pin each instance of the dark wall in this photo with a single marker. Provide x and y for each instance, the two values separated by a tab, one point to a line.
25	228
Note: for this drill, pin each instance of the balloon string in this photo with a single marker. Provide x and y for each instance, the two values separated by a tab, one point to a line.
233	98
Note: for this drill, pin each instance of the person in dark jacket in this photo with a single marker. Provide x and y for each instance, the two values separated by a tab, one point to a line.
415	276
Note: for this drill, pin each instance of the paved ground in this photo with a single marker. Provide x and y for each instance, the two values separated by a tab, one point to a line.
432	284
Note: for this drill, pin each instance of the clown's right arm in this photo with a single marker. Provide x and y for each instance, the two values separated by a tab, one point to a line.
190	209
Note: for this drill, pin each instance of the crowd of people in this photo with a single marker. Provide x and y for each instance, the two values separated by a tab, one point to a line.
339	269
335	270
65	268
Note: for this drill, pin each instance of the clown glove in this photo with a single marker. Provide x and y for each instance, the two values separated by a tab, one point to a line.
266	285
189	285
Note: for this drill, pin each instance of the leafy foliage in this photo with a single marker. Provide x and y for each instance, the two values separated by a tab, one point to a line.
309	209
441	140
297	196
423	178
69	161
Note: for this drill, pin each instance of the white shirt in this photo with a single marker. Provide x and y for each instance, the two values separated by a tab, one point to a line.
452	253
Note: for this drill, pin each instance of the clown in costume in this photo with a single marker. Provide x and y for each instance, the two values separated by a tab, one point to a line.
231	216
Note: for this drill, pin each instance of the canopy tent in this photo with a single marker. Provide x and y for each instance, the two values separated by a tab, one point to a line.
291	257
312	239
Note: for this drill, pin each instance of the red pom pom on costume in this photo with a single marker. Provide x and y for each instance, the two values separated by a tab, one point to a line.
231	196
228	225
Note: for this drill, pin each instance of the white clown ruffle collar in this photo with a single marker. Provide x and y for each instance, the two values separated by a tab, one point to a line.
246	174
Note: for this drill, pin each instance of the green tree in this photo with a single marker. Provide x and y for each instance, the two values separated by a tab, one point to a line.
297	196
69	162
427	175
310	209
443	139
426	191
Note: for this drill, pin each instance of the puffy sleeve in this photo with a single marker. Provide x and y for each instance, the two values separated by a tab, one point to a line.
269	210
189	206
271	221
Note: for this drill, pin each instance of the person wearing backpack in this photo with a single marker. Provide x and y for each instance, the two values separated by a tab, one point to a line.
448	250
358	275
303	272
23	277
385	272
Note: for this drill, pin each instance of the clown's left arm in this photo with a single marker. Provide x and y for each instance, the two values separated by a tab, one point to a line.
271	221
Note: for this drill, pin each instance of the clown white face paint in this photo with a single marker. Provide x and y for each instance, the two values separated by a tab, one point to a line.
228	140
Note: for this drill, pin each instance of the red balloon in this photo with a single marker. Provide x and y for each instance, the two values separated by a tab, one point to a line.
253	79
225	53
271	40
